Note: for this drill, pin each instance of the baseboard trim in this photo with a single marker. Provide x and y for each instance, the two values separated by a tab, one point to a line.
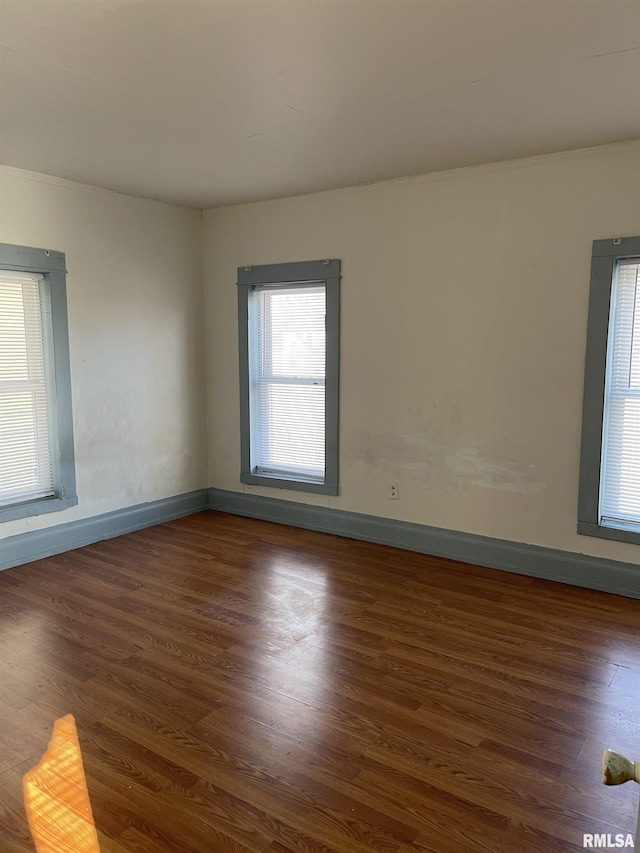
532	560
36	544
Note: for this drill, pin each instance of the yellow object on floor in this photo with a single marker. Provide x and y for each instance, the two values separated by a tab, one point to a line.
56	796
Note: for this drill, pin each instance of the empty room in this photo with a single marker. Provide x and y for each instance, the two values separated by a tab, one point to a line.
319	426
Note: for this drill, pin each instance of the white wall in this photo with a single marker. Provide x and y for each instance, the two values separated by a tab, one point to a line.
464	307
134	289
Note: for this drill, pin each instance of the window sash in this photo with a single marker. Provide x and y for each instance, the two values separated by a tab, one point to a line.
26	469
287	381
619	498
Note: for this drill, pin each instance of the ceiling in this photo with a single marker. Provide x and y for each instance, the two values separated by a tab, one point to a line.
215	102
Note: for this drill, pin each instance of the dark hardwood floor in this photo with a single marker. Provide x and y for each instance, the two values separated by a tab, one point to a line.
243	686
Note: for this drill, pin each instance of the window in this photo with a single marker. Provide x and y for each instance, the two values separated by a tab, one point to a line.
609	500
289	341
37	472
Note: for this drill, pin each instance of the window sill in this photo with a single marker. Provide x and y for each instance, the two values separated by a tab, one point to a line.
587	528
295	485
40	506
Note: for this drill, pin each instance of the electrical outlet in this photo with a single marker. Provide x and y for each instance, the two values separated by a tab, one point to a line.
394	492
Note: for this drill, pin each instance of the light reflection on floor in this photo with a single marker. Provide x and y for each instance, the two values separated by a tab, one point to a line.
293	608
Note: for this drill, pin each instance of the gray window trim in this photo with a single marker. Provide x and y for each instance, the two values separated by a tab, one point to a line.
604	257
249	277
52	266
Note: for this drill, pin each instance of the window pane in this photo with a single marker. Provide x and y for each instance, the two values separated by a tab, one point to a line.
292	332
289	433
621	483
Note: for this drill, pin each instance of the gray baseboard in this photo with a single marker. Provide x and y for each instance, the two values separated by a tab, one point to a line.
532	560
36	544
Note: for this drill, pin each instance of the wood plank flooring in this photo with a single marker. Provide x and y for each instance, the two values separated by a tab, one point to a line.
244	687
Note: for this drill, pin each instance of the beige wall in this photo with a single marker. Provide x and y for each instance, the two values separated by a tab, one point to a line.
464	310
134	291
464	306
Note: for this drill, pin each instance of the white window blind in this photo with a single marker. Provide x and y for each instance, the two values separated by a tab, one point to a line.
287	365
620	469
25	450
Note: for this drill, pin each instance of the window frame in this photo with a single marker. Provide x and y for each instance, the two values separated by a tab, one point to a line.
605	255
326	272
51	265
